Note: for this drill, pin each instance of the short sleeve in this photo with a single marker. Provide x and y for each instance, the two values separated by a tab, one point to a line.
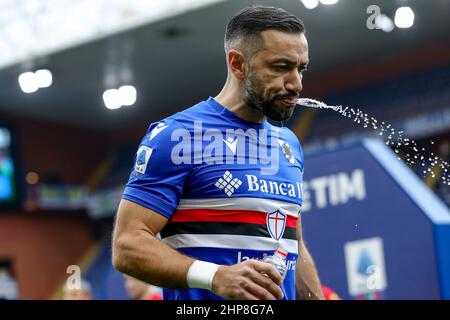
156	181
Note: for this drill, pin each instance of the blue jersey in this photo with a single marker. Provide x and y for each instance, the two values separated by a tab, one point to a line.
230	189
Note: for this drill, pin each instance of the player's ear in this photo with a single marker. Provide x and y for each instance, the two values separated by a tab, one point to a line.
236	63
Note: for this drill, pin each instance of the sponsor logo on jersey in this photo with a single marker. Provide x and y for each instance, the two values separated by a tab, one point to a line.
256	184
228	183
291	261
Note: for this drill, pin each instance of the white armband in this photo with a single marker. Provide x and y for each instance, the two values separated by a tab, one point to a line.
201	274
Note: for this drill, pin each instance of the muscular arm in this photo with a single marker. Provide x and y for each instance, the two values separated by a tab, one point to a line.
137	252
307	279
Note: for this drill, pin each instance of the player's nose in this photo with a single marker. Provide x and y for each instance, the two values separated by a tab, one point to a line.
294	82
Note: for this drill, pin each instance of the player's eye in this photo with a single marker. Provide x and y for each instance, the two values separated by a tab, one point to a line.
281	68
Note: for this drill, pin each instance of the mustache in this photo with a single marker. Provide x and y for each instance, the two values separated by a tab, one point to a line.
286	96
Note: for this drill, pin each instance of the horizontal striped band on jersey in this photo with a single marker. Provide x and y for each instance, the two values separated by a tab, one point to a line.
229	228
237	216
241	203
237	242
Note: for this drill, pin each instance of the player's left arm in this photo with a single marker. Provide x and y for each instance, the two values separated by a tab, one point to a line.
307	280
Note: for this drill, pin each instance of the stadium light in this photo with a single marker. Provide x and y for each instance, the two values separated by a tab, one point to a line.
112	99
116	98
31	81
310	4
404	17
384	23
28	82
328	2
44	78
127	95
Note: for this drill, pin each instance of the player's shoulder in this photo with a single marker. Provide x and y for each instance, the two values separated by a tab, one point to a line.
287	134
196	110
181	119
162	128
291	138
187	117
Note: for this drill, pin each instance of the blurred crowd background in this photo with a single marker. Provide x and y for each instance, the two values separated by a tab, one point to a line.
80	81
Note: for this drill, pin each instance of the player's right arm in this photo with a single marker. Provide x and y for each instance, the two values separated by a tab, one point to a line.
150	198
137	252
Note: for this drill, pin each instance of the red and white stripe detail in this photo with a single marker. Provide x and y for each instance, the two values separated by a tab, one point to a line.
238	216
240	210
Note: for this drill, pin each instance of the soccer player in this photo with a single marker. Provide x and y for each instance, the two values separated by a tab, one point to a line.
216	187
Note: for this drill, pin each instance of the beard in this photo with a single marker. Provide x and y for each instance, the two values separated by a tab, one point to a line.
254	98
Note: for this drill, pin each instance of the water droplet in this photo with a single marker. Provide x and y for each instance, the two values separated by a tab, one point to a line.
408	144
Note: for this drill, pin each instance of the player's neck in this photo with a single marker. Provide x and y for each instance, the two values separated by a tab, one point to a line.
233	100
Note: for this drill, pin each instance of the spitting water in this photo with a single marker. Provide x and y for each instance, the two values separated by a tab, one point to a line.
395	139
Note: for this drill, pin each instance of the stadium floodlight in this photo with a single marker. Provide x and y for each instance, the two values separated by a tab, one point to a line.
28	82
127	95
44	78
112	99
310	4
328	2
384	23
404	17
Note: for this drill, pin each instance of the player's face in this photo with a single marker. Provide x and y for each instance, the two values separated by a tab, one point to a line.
274	79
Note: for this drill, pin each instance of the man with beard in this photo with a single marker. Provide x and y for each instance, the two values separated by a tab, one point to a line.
199	211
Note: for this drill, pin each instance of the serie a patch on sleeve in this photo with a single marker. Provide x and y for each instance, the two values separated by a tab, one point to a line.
142	158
